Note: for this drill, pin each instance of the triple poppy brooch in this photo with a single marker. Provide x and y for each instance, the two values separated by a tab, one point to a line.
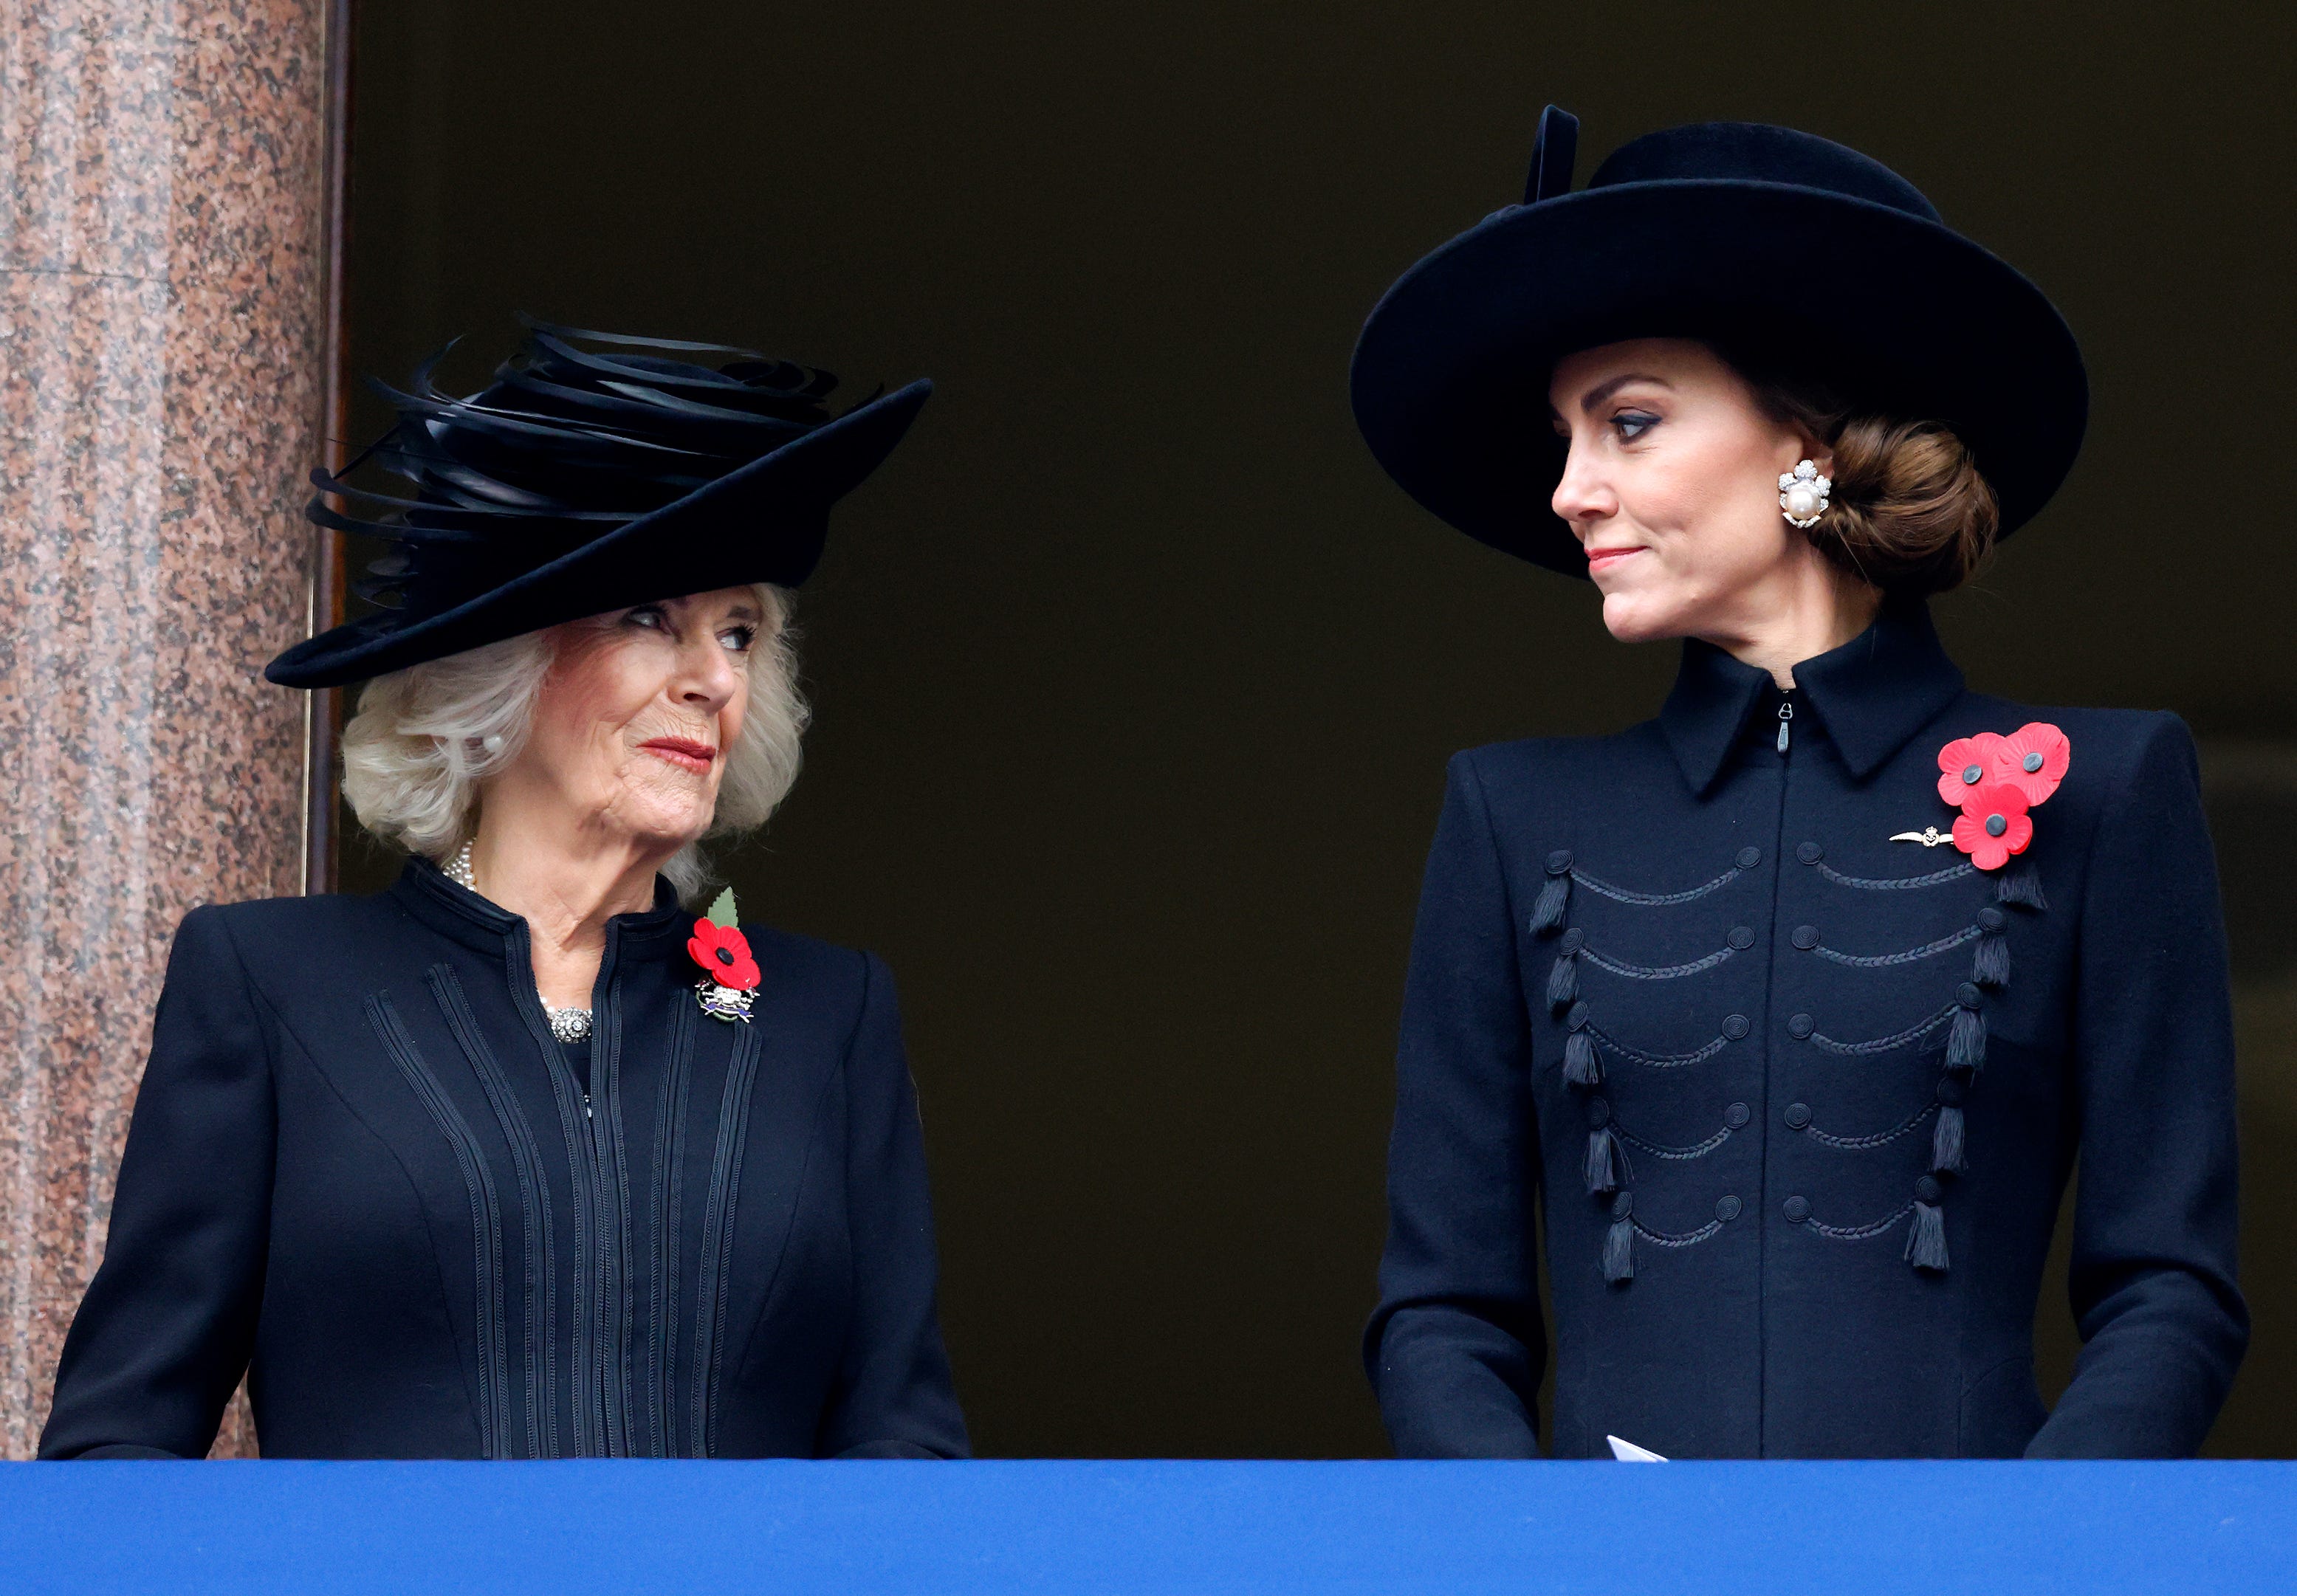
1994	781
731	974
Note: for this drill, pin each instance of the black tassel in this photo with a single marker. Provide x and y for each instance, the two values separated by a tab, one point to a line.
1602	1171
2021	882
1992	966
1946	1141
1581	1067
1554	899
1620	1242
1563	980
1966	1045
1926	1242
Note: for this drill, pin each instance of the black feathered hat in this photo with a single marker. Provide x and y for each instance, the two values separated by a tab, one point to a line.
588	479
1734	232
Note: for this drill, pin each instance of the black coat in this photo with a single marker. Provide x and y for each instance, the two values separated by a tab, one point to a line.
362	1169
1758	1242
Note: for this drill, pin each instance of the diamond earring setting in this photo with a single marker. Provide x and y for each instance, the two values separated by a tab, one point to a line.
1802	495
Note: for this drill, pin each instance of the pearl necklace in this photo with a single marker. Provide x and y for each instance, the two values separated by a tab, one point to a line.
567	1025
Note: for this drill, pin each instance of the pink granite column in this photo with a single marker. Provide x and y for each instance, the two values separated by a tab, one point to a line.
160	389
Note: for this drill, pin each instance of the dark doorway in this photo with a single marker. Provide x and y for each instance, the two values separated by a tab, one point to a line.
1136	679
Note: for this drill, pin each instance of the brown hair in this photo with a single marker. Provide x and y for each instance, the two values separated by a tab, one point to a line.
1910	512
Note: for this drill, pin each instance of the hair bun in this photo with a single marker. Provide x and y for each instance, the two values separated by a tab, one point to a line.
1912	513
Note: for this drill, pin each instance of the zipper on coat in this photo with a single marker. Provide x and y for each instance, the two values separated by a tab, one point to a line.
1786	720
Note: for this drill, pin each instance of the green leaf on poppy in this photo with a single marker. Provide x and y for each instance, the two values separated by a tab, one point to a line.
721	910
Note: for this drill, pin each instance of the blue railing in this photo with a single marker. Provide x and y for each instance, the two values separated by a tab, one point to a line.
1608	1529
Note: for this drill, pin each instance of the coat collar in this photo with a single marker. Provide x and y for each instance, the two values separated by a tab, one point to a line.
1871	695
433	897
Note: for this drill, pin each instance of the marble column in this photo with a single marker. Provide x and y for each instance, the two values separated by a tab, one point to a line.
162	291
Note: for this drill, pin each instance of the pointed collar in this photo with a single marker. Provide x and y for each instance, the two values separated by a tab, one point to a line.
1871	695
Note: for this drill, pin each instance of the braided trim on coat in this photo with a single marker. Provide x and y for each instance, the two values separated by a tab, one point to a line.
1879	1139
1885	1044
1687	1239
1619	894
1897	883
1658	1061
1877	961
1857	1232
1646	972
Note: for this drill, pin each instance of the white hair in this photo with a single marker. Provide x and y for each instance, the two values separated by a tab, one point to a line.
425	738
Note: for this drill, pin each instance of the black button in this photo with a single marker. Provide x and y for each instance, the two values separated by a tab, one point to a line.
1796	1208
1742	937
1736	1026
1726	1209
1996	824
1573	941
1559	862
1967	994
1737	1115
1990	918
1576	1019
2031	763
1971	775
1950	1091
1810	853
1599	1113
1801	1025
1749	858
1927	1190
1806	937
1797	1115
1623	1205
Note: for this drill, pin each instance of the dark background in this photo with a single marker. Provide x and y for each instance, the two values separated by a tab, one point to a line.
1136	677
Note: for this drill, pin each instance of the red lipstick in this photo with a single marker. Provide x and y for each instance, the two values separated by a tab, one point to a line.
683	753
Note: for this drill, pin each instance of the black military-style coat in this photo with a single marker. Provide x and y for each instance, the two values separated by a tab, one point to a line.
363	1170
1795	1103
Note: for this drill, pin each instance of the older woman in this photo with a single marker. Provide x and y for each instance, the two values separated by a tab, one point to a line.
1782	1019
520	1159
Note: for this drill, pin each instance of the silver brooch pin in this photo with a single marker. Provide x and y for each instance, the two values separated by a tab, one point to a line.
1929	837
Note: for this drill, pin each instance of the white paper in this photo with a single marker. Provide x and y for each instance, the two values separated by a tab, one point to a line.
1627	1451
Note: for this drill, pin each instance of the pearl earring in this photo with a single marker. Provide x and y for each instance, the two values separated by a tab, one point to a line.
492	743
1802	495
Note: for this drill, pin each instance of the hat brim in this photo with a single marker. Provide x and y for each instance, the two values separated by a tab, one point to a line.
765	521
1904	315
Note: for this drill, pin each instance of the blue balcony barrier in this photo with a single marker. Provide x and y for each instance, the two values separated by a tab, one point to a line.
1608	1529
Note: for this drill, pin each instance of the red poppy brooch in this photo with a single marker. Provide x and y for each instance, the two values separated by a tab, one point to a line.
1994	781
729	973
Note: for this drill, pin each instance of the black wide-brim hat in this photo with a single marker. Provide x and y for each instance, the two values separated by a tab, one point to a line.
1750	236
581	481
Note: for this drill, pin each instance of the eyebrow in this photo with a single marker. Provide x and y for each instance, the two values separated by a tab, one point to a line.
1602	391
